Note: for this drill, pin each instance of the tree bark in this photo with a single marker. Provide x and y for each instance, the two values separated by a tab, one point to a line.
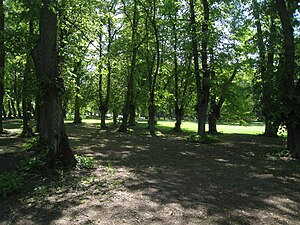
52	128
291	92
2	62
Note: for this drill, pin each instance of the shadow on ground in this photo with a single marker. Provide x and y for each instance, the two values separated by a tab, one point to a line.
165	180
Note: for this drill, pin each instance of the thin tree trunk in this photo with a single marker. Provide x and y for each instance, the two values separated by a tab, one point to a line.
13	107
77	71
9	109
4	111
52	128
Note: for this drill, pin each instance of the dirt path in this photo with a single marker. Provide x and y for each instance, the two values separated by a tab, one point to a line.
165	180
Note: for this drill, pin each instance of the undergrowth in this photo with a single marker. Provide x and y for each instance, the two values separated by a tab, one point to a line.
202	139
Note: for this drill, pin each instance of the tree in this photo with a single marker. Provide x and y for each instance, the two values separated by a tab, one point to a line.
202	83
291	85
52	129
135	43
266	70
2	61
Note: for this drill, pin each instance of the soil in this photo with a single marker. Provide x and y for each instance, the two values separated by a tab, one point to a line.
141	179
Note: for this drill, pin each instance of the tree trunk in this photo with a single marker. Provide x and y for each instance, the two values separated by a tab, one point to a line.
2	62
205	70
212	122
52	128
77	71
132	115
13	107
103	111
77	117
291	93
178	116
152	111
200	129
27	131
3	111
9	109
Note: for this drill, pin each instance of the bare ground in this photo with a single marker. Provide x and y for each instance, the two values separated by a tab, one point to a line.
159	180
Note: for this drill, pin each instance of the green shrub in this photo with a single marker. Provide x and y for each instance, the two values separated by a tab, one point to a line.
205	139
9	183
34	145
85	162
278	153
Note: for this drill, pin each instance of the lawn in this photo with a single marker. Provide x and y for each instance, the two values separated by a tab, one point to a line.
189	126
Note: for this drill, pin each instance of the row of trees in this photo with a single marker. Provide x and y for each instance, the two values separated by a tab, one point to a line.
192	58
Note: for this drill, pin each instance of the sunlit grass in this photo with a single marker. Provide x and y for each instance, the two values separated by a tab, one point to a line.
163	125
189	126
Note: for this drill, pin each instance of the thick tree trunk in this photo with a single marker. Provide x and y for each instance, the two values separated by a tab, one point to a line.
52	128
291	92
2	62
212	123
178	116
103	111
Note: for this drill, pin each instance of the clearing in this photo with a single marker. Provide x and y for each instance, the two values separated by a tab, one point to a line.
141	179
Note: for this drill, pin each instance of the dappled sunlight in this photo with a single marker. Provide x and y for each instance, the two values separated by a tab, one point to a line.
139	180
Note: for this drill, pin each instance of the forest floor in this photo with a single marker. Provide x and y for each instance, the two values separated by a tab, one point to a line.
141	179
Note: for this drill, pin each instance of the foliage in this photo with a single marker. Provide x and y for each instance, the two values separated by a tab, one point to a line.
85	162
9	183
38	158
278	153
202	139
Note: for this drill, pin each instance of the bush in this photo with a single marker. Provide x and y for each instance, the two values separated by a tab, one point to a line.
205	139
9	183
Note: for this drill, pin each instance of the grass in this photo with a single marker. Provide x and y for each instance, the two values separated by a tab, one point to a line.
191	127
167	125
